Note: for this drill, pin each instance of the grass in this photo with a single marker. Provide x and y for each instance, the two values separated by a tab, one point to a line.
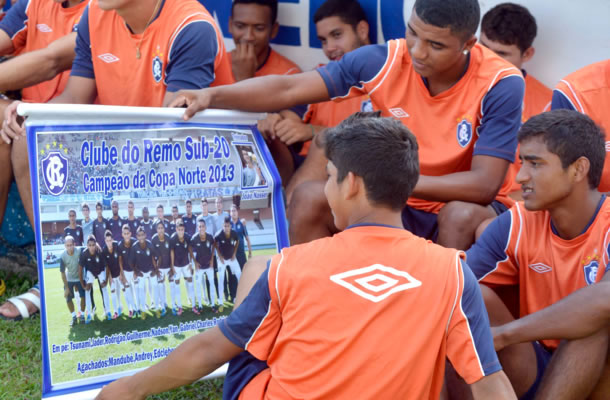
20	342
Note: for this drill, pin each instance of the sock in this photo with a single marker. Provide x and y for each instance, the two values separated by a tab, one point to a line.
115	302
129	298
88	301
73	314
106	299
178	295
161	297
189	290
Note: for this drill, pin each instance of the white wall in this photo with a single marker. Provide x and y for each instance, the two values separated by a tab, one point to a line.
571	34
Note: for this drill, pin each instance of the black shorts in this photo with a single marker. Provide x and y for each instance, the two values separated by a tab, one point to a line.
79	287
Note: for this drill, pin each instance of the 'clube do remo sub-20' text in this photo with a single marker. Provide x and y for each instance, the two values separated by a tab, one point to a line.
152	152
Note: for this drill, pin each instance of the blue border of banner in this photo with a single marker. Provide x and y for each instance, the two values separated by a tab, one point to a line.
281	226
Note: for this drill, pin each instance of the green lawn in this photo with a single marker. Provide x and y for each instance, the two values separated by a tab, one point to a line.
20	360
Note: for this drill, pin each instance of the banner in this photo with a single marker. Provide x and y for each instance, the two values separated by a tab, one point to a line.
114	305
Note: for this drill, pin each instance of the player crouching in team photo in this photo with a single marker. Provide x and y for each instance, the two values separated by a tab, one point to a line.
285	340
91	267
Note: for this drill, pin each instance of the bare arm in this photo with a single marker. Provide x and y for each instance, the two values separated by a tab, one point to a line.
479	185
576	316
37	66
495	386
6	44
288	91
78	90
196	357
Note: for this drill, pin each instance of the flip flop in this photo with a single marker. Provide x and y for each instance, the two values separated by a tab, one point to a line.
17	301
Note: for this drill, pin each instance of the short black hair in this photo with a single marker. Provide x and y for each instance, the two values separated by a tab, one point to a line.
460	16
188	202
140	229
349	11
510	24
272	4
107	234
90	239
126	226
570	135
156	223
201	219
227	220
382	151
99	204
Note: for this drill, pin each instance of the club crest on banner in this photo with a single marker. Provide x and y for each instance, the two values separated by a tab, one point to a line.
464	132
55	172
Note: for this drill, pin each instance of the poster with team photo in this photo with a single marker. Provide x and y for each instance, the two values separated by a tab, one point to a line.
143	224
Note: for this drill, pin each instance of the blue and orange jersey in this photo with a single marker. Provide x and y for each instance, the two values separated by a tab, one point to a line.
182	48
536	100
275	64
33	25
479	115
326	311
588	91
522	247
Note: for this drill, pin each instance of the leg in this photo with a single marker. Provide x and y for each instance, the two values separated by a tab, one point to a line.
209	273
6	176
309	214
575	369
312	169
458	222
282	157
222	271
519	361
21	169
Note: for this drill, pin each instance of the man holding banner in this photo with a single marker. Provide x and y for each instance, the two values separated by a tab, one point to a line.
132	53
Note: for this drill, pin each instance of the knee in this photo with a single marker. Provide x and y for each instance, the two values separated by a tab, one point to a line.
308	203
461	216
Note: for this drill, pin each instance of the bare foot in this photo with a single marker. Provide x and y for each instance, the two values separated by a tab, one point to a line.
9	310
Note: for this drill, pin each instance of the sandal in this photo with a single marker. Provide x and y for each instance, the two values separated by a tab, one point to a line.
19	304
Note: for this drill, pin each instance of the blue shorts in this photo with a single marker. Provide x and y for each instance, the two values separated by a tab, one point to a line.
242	369
425	224
543	357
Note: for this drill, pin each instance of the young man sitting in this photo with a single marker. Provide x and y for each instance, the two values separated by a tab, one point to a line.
552	244
378	276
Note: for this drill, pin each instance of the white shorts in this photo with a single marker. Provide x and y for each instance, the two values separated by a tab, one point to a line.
91	278
183	272
163	273
233	265
128	277
146	275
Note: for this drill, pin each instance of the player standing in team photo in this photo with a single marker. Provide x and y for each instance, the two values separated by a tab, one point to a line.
226	243
76	231
147	223
68	267
113	272
161	243
182	255
189	219
131	220
127	275
145	269
202	244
